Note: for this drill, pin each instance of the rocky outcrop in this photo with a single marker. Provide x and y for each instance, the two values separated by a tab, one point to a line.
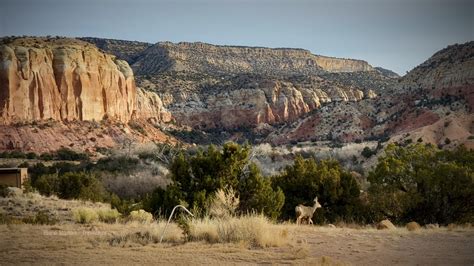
202	57
62	79
248	105
332	64
149	105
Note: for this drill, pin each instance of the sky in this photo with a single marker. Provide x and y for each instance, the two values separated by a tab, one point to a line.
394	34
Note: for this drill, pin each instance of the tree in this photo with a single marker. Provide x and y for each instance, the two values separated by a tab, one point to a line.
256	194
367	152
197	177
336	189
421	183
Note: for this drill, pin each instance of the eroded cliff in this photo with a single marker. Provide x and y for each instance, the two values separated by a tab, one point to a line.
203	57
62	79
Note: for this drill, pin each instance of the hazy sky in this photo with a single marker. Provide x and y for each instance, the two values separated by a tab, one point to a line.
395	34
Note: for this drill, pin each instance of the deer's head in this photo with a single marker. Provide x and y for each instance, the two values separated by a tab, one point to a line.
316	203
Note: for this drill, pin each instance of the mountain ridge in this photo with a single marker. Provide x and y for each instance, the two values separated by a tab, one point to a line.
269	95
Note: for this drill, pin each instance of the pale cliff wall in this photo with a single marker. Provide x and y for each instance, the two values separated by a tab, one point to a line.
150	105
332	64
202	57
271	102
62	79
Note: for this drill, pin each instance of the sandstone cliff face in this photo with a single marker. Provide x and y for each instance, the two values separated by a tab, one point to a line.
202	57
268	101
62	79
332	64
149	105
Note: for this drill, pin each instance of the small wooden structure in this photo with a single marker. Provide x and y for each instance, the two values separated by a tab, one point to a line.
13	177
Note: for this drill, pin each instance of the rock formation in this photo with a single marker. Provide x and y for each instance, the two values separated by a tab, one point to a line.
203	57
62	79
149	105
283	94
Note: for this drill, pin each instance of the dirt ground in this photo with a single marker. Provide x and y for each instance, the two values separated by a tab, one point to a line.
75	244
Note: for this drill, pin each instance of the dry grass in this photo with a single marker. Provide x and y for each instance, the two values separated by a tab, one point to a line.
85	215
224	204
22	205
252	230
108	215
144	234
136	243
249	231
140	216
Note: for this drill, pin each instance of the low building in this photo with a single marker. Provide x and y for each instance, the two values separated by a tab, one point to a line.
13	177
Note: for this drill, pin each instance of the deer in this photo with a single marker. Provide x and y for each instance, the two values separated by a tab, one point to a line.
306	211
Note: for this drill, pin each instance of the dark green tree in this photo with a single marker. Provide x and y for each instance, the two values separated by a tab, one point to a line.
197	177
337	190
257	195
421	183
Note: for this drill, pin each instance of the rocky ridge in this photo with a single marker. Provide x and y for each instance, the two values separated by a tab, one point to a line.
279	95
207	58
435	93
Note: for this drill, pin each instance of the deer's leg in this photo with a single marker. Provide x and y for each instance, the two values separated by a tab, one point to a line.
310	221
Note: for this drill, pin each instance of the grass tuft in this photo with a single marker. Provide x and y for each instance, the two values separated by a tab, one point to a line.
140	216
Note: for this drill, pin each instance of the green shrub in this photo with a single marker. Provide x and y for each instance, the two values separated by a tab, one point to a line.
47	184
46	156
31	155
81	186
367	152
335	188
122	164
7	219
108	215
140	216
71	185
13	154
41	217
257	195
70	155
424	184
85	215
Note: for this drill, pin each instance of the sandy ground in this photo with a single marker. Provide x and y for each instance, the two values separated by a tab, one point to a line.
75	244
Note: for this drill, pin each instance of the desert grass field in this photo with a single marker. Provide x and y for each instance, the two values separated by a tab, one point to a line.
79	235
136	243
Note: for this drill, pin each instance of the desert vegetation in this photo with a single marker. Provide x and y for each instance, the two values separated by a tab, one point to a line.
414	182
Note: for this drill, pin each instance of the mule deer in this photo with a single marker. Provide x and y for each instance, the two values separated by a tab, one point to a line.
306	211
